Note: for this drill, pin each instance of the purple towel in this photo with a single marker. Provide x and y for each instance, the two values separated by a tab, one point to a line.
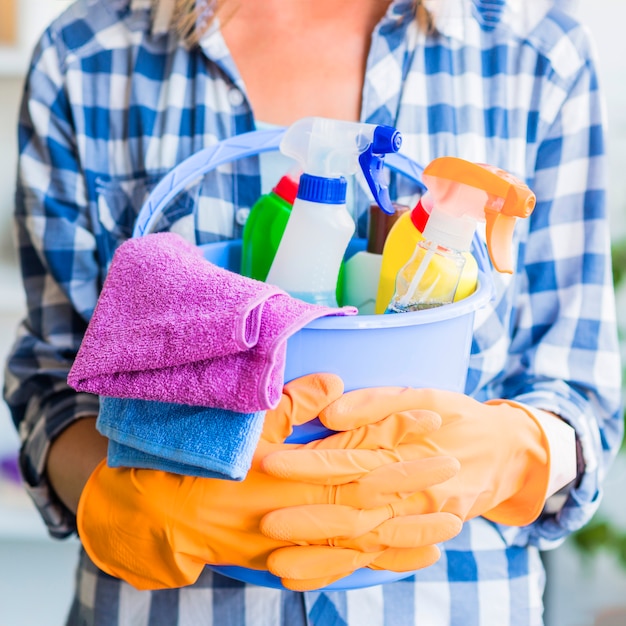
171	326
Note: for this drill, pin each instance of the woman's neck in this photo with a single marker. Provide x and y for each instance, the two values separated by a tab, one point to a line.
304	57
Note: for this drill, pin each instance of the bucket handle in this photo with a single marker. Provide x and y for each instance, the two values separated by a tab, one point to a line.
241	146
191	169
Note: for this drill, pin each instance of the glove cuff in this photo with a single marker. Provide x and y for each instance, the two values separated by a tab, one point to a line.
525	506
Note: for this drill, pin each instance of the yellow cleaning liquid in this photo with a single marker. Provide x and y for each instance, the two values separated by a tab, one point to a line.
400	246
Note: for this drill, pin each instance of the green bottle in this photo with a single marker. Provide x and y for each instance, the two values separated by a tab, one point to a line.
265	226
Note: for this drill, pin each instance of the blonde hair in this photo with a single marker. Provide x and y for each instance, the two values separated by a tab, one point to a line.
424	17
192	18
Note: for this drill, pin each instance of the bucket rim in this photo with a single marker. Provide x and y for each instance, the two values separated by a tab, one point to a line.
472	303
481	296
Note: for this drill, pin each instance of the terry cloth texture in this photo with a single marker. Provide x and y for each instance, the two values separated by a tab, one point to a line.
170	326
191	440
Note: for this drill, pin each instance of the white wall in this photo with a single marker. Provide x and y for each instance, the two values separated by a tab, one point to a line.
32	17
605	19
36	573
10	88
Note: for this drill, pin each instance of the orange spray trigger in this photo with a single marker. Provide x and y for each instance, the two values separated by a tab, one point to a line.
519	202
483	193
499	234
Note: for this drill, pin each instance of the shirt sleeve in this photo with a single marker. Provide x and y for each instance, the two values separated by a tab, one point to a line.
564	355
61	277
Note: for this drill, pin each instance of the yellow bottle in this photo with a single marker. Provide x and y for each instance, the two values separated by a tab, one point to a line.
400	245
464	193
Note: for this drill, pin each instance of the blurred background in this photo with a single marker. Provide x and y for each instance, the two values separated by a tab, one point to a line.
586	576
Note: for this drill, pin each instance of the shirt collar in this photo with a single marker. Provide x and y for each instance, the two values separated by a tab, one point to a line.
452	18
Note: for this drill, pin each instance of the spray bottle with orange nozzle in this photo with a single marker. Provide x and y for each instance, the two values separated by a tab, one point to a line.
464	193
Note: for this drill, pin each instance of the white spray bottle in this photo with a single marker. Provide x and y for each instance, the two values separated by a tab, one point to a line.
464	193
319	229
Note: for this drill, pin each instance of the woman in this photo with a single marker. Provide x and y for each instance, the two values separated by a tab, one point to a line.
121	91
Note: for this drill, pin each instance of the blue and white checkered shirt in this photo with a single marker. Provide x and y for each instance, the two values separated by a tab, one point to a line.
111	106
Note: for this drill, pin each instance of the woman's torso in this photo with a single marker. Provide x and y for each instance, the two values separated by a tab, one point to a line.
469	100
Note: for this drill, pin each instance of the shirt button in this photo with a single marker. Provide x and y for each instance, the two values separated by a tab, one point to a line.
235	97
241	216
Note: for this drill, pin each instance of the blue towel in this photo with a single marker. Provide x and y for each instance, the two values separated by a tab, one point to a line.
191	440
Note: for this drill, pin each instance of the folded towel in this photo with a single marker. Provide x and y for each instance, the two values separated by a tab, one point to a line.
169	326
178	438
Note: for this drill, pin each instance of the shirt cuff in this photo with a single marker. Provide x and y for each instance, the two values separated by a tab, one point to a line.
561	439
43	423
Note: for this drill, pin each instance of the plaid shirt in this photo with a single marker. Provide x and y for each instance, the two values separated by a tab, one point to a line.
111	106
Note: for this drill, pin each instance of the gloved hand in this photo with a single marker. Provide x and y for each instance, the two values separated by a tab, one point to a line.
156	529
396	541
502	450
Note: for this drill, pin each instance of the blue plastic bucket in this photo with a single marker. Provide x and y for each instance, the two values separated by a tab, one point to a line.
428	348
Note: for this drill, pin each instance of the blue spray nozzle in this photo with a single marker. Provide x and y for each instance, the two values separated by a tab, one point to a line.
385	139
334	148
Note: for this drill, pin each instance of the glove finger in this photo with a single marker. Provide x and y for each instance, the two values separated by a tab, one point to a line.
415	531
339	467
391	484
310	562
302	400
389	432
325	467
409	560
392	560
319	523
366	530
361	509
367	406
311	584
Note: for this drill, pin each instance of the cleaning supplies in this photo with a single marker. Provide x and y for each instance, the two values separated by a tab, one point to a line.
311	250
361	273
463	194
400	244
265	226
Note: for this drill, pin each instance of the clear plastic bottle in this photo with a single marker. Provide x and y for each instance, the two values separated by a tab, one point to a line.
431	276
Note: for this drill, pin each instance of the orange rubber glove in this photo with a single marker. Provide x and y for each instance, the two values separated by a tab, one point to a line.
395	541
306	567
156	529
502	450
